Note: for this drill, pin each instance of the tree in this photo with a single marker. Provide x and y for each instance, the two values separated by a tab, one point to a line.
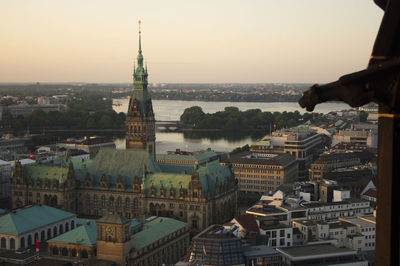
192	116
105	122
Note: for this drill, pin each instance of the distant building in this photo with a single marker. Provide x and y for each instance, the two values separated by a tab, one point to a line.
333	210
26	109
366	226
330	161
362	137
301	143
89	145
261	172
320	254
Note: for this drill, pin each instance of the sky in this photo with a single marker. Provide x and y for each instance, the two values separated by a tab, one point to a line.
186	41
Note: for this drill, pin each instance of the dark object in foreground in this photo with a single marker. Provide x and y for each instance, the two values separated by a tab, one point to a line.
379	83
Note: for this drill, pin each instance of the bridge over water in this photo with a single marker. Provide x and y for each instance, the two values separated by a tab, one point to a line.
168	126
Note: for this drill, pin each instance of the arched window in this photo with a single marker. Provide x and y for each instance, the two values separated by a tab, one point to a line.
22	242
54	231
95	200
72	225
66	227
135	203
73	252
3	242
36	237
87	200
64	252
119	202
103	201
111	201
84	254
61	229
127	202
12	243
29	240
42	236
48	233
55	251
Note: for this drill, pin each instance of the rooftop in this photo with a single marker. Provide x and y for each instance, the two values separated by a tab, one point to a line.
31	218
85	235
155	230
315	250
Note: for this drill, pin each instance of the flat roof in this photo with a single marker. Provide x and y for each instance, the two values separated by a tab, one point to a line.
367	221
259	251
314	251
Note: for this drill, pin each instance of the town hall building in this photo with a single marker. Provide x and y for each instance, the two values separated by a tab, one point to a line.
134	182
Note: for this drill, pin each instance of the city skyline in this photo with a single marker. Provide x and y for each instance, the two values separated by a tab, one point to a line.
186	41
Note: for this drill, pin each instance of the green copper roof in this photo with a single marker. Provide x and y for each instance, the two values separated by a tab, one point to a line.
43	171
166	179
112	163
190	157
113	219
208	174
31	218
85	235
155	230
140	92
177	168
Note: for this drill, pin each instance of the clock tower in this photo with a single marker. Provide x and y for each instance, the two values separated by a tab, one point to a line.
140	122
113	238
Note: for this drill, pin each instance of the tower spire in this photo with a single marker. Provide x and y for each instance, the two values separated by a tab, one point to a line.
140	56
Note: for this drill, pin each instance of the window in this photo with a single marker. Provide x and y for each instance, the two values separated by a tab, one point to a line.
274	234
119	202
273	243
282	233
194	224
282	242
103	201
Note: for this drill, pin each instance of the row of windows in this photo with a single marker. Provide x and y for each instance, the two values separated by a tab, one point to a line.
103	201
264	188
256	182
256	176
256	166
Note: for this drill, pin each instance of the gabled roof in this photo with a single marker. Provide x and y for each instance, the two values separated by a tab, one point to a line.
85	235
248	221
113	219
370	193
31	218
155	230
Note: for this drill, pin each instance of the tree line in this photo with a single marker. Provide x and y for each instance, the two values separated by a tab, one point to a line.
82	113
232	119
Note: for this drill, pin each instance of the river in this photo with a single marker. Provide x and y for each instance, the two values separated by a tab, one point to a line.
171	111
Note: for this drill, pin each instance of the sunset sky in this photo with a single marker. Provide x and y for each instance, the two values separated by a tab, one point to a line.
186	41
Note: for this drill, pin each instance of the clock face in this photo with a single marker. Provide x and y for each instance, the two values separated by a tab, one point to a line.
110	230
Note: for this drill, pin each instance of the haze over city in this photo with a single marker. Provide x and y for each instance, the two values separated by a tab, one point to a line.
186	41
